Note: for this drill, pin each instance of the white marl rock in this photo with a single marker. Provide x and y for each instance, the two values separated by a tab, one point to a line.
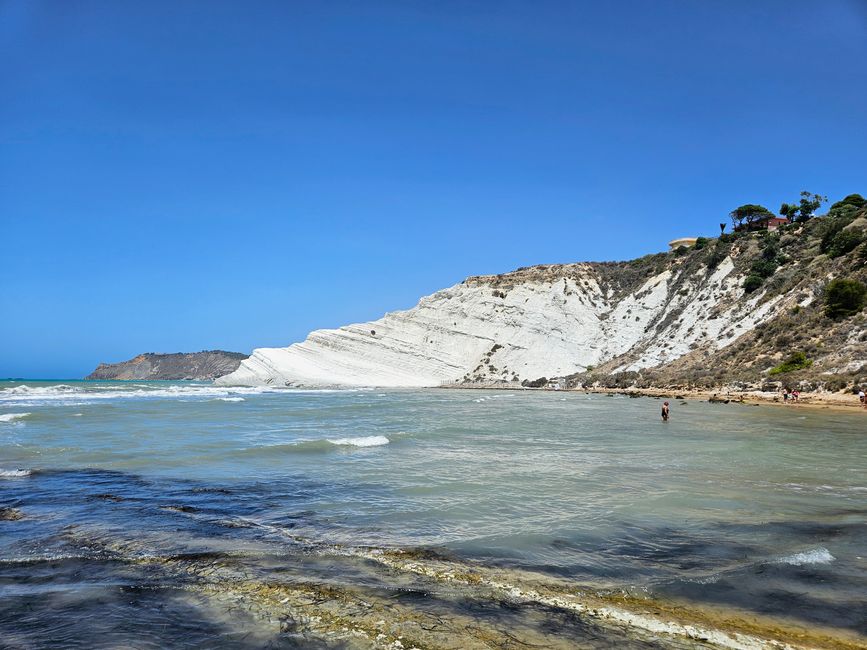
533	325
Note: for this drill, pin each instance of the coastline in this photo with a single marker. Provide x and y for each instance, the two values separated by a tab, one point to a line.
815	401
822	401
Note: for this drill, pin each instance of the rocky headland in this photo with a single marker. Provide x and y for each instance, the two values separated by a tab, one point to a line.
205	365
754	310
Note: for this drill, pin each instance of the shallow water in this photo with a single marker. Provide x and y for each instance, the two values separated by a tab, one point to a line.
759	509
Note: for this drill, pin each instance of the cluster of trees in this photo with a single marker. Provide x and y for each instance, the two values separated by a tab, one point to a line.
805	209
843	297
750	214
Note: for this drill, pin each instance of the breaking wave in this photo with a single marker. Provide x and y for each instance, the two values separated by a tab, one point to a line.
65	394
11	417
319	445
14	473
364	441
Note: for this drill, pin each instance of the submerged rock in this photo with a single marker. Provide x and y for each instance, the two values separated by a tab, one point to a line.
10	514
404	599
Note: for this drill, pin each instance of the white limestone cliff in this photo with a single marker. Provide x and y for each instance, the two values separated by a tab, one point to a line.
542	321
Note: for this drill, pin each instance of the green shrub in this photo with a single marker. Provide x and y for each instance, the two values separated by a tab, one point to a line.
855	200
795	361
835	384
752	282
844	298
763	268
833	226
701	242
717	254
844	211
771	249
680	251
844	242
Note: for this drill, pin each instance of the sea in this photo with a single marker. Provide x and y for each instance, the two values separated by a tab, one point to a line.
189	515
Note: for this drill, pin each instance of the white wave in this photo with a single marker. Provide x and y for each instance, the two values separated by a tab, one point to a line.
65	394
364	441
9	417
14	473
230	399
819	555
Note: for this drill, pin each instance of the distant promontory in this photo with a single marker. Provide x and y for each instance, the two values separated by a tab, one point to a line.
205	365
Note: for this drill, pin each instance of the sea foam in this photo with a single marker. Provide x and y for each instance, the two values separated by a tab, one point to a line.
10	417
14	473
364	441
819	555
65	394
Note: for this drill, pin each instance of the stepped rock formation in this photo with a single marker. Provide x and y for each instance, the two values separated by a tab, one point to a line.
205	365
686	309
543	321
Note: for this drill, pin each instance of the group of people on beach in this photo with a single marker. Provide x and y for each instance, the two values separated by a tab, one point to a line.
789	397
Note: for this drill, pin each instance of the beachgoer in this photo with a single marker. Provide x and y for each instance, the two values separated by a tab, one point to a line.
785	396
862	398
795	395
665	411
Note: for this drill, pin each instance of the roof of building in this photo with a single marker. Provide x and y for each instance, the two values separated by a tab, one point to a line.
683	241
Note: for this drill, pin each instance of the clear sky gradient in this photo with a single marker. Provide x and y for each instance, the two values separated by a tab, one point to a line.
178	176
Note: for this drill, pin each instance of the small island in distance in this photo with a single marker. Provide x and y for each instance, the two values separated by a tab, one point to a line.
204	365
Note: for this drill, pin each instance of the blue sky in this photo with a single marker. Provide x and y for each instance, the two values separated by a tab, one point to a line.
186	176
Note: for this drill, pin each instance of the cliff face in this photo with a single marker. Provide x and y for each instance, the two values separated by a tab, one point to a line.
195	365
556	321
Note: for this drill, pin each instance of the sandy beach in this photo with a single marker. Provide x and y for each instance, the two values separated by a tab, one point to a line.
835	401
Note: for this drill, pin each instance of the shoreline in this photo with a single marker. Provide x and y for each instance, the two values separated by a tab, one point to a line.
814	401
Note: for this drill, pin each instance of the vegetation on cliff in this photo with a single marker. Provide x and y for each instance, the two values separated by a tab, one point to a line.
816	266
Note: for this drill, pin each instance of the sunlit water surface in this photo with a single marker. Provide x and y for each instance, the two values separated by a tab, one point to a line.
758	508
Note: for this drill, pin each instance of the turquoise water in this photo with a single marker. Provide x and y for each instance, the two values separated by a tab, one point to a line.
756	508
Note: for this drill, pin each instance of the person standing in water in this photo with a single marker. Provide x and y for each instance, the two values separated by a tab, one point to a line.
665	411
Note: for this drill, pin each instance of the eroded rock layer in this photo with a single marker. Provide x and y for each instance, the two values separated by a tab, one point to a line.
684	308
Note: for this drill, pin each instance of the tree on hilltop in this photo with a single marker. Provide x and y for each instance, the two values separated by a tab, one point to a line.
805	208
748	214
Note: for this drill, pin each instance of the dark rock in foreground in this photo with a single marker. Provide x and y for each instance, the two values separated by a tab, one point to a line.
208	364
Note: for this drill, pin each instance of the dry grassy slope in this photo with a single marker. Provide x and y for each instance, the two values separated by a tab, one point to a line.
838	349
